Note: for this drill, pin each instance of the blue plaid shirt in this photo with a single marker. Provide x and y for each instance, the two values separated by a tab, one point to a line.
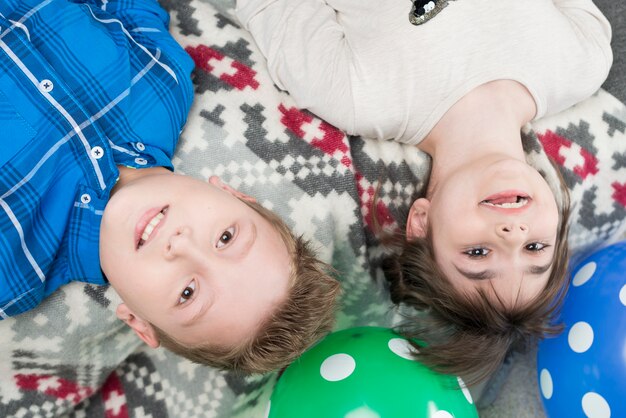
85	85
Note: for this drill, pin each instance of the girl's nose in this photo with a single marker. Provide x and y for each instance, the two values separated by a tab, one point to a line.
512	230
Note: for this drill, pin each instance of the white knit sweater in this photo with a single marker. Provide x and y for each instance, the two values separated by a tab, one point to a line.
360	64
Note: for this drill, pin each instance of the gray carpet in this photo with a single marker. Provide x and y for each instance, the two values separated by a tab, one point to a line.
615	11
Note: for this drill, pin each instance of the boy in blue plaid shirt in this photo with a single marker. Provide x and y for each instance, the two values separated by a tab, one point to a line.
93	97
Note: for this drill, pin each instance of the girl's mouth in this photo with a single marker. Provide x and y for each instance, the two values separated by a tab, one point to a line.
507	200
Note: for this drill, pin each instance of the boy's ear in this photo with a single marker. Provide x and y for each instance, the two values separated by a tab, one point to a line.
144	330
214	180
417	222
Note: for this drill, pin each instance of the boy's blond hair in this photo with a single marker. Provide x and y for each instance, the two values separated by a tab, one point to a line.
305	316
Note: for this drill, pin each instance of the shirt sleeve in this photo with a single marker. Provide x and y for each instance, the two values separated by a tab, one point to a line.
594	32
154	68
148	24
307	52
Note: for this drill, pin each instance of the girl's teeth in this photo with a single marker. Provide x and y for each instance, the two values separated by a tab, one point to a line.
512	205
151	225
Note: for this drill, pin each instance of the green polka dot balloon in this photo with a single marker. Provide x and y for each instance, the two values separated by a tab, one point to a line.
366	372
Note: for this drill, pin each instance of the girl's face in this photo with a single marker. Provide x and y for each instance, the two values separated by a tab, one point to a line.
494	225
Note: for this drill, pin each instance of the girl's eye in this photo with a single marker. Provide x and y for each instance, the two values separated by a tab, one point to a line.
536	247
187	293
226	237
477	252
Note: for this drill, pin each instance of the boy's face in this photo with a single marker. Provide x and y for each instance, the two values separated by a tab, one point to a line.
192	259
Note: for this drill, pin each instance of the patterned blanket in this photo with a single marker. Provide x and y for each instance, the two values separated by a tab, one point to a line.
72	357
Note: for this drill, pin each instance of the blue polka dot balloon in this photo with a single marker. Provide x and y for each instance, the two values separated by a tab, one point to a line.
582	373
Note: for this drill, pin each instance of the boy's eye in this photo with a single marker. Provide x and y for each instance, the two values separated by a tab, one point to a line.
477	252
226	237
187	292
536	247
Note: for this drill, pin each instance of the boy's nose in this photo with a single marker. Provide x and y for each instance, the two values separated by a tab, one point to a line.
178	243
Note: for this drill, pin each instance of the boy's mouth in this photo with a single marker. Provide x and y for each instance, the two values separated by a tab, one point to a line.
148	224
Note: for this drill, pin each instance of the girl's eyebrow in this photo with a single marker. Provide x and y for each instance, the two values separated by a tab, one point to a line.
537	270
490	274
479	275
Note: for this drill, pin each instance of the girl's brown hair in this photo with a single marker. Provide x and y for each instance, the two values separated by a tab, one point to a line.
469	334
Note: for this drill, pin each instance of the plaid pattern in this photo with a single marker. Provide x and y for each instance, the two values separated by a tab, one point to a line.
69	116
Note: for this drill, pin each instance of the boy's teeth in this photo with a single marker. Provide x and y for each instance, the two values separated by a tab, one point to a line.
151	225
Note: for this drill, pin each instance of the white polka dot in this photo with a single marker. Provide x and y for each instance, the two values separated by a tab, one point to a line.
337	367
401	347
545	381
442	414
267	410
595	406
622	295
580	337
466	392
584	274
362	412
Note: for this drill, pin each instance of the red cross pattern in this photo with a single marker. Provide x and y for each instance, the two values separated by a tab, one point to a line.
318	133
234	73
54	386
619	193
114	398
568	154
366	194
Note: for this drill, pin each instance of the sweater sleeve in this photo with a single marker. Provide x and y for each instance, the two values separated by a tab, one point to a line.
594	30
307	54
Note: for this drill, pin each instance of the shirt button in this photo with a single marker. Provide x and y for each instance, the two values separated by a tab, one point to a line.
85	198
46	85
140	146
141	161
97	152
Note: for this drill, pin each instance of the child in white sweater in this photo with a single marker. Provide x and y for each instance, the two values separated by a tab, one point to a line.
485	248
